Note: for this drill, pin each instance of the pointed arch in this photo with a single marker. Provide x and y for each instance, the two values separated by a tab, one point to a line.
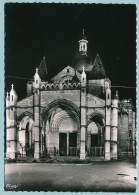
26	113
97	118
59	110
60	103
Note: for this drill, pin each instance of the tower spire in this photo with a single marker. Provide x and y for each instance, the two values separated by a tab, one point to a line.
12	86
83	31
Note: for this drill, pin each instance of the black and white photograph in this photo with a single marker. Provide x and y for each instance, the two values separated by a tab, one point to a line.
70	97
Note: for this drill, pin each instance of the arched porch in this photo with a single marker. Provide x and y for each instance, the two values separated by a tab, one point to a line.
25	136
60	129
95	135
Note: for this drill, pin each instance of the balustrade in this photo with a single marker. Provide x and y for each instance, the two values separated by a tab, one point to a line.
95	151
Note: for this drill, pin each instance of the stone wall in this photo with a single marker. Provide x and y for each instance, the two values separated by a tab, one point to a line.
50	96
123	134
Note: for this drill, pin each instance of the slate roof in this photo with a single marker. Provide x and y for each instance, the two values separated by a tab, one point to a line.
43	70
97	71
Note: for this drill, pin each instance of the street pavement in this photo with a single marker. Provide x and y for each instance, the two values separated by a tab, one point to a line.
110	176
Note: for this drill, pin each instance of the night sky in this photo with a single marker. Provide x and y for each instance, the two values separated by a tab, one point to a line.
53	30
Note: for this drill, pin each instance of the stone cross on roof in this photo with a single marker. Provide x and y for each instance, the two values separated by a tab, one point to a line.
36	70
83	68
116	92
12	86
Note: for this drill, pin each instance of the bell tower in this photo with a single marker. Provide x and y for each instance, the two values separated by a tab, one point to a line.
83	45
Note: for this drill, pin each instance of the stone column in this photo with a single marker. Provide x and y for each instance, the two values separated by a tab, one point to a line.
133	134
114	128
37	124
47	142
83	115
41	140
30	138
88	142
130	128
107	122
78	141
82	149
107	143
83	133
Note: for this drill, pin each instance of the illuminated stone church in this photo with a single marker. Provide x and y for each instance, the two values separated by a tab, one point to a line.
73	114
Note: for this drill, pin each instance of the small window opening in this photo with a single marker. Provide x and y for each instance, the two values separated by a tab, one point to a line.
108	96
36	81
12	98
67	69
83	78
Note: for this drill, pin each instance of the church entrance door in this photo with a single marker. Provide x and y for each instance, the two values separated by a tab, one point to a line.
73	144
96	148
63	144
27	143
94	140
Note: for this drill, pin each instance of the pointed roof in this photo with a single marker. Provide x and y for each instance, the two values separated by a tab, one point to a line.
97	71
83	36
42	70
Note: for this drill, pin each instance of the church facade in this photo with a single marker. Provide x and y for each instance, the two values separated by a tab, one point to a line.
72	114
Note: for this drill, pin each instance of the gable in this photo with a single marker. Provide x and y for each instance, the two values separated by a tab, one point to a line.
42	70
25	105
26	102
94	101
68	72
